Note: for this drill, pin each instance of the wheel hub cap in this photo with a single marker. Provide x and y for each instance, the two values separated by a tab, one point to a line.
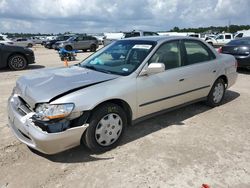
218	92
108	129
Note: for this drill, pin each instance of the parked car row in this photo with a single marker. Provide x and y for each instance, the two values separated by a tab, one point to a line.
111	37
74	42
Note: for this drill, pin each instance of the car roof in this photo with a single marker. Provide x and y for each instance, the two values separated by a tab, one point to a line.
159	38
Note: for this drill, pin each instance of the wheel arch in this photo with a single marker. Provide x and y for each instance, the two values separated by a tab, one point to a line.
224	78
16	53
123	104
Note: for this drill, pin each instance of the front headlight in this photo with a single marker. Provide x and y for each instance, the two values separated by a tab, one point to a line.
48	112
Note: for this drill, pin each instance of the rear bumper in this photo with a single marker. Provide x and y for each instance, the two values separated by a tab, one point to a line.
28	133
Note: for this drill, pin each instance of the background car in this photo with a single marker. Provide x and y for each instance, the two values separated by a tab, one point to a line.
15	57
24	42
51	43
5	40
133	33
240	49
79	42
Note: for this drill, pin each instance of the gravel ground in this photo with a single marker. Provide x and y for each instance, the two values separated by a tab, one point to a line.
183	148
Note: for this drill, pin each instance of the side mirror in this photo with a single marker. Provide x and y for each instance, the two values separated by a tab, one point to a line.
153	68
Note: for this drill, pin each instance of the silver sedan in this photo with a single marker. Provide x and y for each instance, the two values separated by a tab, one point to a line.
121	84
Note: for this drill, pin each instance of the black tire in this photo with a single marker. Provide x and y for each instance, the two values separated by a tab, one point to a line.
97	130
69	48
30	45
84	50
17	62
93	48
216	94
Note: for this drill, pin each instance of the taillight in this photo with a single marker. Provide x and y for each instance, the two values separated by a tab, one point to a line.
220	50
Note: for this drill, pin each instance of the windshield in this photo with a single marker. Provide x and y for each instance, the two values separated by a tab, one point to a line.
71	38
121	57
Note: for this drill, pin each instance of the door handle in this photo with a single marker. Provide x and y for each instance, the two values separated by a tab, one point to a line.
181	80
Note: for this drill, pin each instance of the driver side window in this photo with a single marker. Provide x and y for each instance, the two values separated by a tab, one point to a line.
169	54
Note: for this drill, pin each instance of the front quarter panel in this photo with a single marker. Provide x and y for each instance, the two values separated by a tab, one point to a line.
123	88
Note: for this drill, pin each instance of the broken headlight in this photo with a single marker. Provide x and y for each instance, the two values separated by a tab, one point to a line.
46	112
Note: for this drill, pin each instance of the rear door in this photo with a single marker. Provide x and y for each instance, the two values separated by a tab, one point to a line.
199	68
220	39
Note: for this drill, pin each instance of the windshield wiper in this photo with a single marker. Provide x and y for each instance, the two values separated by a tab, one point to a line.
99	70
89	67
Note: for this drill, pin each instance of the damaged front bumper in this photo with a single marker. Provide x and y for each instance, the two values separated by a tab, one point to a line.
27	132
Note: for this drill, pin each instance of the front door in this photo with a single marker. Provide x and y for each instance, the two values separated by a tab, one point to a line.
160	91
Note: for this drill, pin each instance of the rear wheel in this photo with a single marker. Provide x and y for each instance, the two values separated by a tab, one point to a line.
106	127
30	45
93	48
17	62
217	93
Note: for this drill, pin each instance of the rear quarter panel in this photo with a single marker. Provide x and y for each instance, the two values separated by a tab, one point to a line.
227	67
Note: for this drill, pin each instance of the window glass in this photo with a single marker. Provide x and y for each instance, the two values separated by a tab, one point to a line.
228	36
150	34
79	38
169	54
121	57
132	34
240	35
220	37
197	52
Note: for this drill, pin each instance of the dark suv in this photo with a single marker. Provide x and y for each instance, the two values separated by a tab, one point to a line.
79	42
51	44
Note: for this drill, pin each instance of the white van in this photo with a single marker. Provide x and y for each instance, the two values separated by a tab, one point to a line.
243	33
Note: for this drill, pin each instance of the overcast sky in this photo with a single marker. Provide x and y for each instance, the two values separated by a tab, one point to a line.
54	16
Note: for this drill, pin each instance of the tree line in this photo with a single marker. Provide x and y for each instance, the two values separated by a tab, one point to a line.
213	29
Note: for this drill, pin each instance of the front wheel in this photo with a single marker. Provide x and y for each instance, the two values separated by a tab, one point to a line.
17	62
217	93
106	127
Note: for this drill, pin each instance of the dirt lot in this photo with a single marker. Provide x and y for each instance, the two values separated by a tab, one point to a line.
183	148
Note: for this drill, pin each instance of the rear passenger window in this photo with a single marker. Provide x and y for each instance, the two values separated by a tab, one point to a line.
197	52
169	54
228	36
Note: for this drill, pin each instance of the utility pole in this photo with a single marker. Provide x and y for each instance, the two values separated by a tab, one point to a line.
228	28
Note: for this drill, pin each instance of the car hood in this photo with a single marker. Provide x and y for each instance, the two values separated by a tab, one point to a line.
44	86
